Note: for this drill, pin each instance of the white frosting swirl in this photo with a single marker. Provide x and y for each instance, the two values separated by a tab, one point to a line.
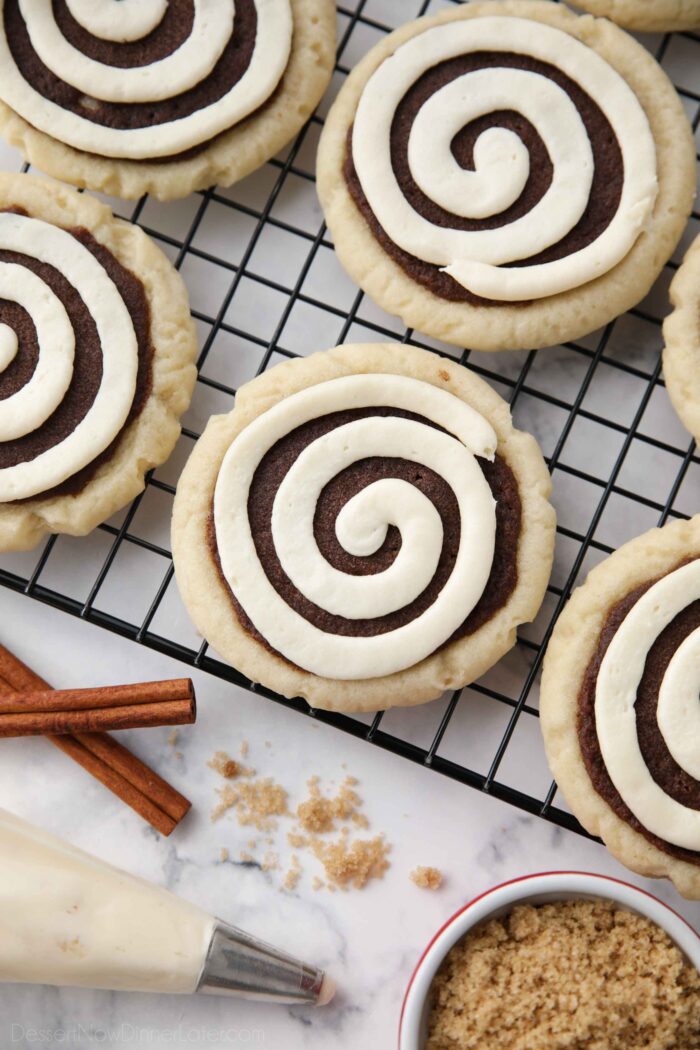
478	259
169	76
187	66
678	713
361	526
118	20
9	346
32	405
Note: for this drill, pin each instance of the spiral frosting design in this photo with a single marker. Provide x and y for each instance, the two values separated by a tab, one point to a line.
503	157
646	710
354	524
70	355
140	79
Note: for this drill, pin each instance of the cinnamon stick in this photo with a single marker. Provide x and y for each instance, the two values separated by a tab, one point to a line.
107	760
53	711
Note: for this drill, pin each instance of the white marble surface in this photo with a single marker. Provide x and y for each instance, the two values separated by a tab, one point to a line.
369	940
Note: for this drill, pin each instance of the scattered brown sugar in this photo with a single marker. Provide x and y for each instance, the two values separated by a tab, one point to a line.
352	864
224	855
291	879
426	878
244	749
224	765
319	813
257	803
270	861
568	975
173	737
260	803
316	815
228	798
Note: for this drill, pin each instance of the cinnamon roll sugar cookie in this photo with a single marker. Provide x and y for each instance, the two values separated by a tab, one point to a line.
365	529
151	96
648	16
681	356
97	354
506	175
619	704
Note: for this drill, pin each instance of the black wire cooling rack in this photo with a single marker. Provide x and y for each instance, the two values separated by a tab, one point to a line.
265	285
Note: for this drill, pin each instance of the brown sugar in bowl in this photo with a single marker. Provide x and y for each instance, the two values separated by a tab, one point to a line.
439	987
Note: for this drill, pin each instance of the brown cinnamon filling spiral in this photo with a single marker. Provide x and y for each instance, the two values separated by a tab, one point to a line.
604	195
269	476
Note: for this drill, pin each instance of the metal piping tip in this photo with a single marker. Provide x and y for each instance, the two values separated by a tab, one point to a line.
238	964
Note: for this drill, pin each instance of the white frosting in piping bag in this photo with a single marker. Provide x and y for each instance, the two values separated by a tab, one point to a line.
361	526
478	259
32	404
268	62
678	717
67	918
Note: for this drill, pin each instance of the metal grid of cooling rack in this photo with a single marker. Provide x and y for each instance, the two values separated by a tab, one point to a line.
265	285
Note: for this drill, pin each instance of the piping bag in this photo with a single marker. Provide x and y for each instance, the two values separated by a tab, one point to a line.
69	919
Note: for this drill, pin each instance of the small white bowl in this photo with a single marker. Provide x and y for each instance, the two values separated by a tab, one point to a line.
530	889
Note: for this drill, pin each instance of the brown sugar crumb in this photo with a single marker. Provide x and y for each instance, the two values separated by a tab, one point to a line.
566	975
318	814
228	798
259	802
173	737
291	879
270	861
352	864
224	854
224	765
244	749
317	884
296	840
426	878
245	857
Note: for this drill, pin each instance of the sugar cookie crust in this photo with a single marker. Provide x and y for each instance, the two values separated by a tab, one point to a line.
648	16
